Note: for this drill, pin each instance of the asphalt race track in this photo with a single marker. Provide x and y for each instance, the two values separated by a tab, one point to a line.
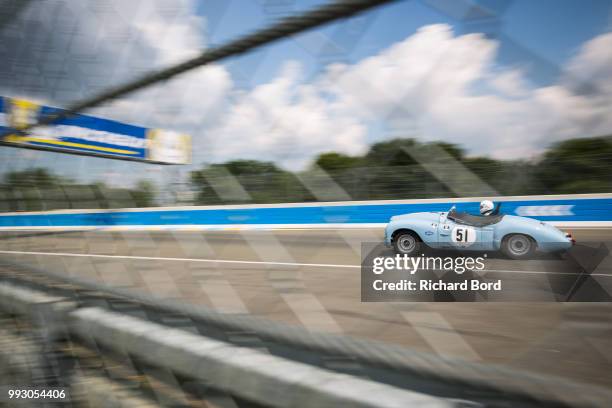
312	278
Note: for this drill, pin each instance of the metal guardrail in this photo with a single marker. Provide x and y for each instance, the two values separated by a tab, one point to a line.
175	349
250	374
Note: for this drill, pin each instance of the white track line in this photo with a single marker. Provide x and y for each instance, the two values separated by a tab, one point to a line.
230	261
571	225
155	258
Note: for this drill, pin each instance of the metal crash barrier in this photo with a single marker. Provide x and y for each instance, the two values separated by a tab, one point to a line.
77	329
581	210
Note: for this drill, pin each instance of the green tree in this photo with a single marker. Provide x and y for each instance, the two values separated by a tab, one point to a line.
577	166
143	194
508	177
333	161
263	182
391	153
249	167
34	177
452	149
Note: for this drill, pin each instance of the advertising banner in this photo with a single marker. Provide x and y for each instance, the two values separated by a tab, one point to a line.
89	135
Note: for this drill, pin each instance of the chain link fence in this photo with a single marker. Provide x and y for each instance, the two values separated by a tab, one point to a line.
63	197
362	183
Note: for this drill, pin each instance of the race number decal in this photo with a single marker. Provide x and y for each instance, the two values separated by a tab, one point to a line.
463	236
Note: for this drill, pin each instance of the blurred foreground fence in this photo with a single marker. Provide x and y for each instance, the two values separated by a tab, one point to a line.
116	347
221	187
63	197
363	183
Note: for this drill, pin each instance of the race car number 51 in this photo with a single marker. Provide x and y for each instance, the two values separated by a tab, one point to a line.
463	236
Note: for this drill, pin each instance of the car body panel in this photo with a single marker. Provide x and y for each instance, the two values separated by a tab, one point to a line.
439	230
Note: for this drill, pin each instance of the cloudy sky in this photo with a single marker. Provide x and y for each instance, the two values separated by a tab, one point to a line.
501	78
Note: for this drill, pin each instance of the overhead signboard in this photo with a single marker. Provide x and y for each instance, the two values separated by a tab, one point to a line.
88	135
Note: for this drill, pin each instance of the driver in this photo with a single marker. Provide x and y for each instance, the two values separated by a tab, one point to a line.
486	207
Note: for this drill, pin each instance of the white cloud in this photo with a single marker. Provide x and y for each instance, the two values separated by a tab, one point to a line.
73	49
286	120
448	85
57	52
189	102
173	34
593	65
510	83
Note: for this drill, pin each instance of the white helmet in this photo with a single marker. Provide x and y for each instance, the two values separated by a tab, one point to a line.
486	207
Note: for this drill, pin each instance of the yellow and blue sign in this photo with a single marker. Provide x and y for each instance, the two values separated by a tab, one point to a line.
83	134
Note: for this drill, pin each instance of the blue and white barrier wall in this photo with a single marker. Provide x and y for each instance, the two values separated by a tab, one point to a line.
584	210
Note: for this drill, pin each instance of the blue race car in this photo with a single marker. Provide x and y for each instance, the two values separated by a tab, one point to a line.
517	237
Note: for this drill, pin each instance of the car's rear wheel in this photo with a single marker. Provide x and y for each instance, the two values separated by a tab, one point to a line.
407	242
518	246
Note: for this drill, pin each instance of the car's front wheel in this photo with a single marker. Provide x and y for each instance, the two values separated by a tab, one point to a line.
518	246
406	242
